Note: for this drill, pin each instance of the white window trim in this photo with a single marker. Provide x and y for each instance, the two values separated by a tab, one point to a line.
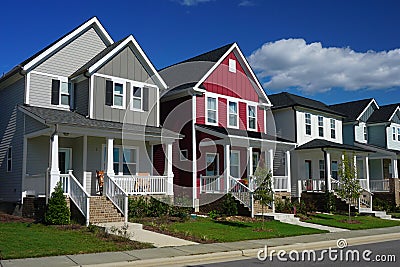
398	134
235	152
365	133
182	157
394	133
120	159
248	117
215	155
237	114
333	128
305	123
232	65
114	80
134	97
321	126
216	113
9	159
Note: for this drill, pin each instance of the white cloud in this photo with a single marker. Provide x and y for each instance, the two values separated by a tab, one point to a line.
246	3
312	68
192	2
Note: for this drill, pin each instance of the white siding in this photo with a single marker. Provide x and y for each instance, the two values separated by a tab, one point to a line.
359	132
392	144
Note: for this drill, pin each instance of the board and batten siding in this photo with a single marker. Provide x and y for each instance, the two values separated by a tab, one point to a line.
368	112
348	134
81	95
74	55
11	132
376	135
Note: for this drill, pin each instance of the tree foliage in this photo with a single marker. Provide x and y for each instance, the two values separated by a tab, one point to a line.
57	210
263	188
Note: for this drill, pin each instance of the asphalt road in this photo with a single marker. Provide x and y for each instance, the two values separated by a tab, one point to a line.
389	252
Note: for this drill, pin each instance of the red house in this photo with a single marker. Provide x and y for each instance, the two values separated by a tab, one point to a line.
217	103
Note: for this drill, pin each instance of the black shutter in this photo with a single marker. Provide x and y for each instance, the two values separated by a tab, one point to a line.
55	92
109	93
145	96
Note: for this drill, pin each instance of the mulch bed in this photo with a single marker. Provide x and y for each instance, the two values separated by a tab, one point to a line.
12	218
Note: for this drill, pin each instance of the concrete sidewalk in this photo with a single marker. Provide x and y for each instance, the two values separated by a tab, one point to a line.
160	256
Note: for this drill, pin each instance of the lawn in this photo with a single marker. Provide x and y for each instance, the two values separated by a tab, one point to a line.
22	240
206	230
395	215
360	222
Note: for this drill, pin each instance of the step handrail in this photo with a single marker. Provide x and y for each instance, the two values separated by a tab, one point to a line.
117	195
241	192
79	196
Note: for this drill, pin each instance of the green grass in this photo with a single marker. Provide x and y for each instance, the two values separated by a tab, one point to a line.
224	231
395	215
340	221
23	240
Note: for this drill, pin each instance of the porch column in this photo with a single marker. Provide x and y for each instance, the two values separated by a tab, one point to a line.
168	170
54	171
110	157
287	172
395	172
227	162
84	163
328	171
355	166
250	161
271	161
366	170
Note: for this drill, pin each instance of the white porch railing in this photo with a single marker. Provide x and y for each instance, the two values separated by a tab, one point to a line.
77	193
117	195
211	184
280	183
379	185
141	185
363	183
313	185
241	192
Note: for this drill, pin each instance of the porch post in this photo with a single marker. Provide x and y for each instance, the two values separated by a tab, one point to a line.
250	162
271	161
84	163
395	173
110	157
54	171
328	171
227	166
366	170
355	166
168	170
287	172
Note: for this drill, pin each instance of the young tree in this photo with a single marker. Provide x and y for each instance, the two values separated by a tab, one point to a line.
349	188
263	188
57	209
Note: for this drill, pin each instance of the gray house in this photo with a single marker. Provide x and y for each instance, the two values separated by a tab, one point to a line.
82	104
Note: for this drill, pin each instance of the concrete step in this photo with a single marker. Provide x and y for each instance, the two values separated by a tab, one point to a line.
282	217
379	214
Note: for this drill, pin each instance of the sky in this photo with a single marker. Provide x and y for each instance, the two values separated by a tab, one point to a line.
332	51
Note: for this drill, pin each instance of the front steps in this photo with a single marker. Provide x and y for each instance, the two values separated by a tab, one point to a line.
282	217
102	210
378	214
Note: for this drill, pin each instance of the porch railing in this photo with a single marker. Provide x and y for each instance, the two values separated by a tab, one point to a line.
211	184
77	193
241	192
363	183
313	185
140	185
280	183
379	185
117	195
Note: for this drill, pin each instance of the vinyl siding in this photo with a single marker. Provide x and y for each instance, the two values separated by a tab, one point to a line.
376	135
348	134
359	132
368	112
392	144
283	122
81	96
74	55
11	132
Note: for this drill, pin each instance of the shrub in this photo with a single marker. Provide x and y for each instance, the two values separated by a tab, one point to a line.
330	201
141	207
57	210
229	206
285	206
213	214
137	207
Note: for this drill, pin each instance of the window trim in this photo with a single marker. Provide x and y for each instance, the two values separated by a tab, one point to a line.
333	129
232	65
365	133
320	126
337	169
248	117
255	166
9	157
70	90
237	114
307	124
398	134
182	157
119	81
135	97
216	156
120	157
216	110
320	169
230	162
394	133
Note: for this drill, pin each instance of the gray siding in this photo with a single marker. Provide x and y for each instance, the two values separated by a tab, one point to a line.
396	118
368	112
81	96
74	55
126	65
376	135
284	123
103	112
348	134
32	125
40	91
11	132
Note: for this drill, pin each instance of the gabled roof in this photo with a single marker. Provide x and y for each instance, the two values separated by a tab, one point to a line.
48	50
321	143
285	99
109	52
191	73
384	113
353	109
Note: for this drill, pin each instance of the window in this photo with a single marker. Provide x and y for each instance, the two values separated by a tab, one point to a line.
322	169
118	95
212	110
125	160
394	133
61	91
308	123
9	159
398	134
65	93
232	65
137	98
333	128
334	170
212	164
255	161
233	114
235	166
252	118
365	133
321	126
184	155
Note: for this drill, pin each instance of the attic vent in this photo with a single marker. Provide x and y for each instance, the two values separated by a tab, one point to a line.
232	65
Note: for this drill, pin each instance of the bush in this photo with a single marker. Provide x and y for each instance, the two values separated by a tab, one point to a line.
141	207
382	205
213	214
57	210
285	206
229	206
330	201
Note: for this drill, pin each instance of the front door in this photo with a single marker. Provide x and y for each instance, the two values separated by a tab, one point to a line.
212	167
308	169
64	160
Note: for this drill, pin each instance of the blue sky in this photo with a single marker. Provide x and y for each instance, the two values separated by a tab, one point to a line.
333	51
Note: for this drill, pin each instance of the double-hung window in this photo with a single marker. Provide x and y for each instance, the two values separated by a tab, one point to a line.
9	159
308	123
61	92
125	160
398	134
394	133
65	93
252	117
365	133
333	128
233	114
334	171
321	169
212	110
118	95
321	126
235	164
137	98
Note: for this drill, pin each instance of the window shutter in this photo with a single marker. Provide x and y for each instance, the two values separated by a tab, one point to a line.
145	98
55	92
109	93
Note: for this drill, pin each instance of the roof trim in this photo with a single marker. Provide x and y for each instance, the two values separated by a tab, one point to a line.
210	71
117	49
67	38
372	101
394	112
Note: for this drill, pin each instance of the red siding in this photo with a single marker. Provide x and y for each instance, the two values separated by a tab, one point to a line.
242	116
222	112
200	107
224	82
260	119
158	160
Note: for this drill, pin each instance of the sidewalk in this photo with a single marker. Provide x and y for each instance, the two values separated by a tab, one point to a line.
158	256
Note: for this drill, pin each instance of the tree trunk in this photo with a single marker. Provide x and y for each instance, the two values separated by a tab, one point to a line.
349	212
262	213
